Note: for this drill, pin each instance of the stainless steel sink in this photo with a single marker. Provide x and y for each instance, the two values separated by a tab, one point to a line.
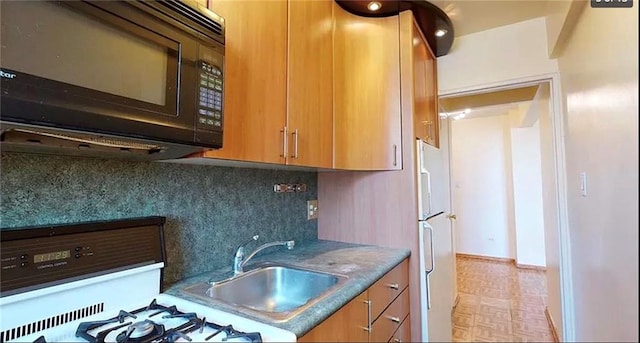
278	292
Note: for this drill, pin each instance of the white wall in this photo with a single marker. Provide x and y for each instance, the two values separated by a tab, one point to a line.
496	55
555	20
599	71
482	186
560	22
527	195
541	104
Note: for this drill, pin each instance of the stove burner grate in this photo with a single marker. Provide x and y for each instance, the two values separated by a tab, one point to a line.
230	332
148	331
85	327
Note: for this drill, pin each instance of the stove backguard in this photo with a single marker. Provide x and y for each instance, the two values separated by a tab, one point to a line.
38	257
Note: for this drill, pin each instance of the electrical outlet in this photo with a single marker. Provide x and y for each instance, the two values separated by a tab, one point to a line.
312	209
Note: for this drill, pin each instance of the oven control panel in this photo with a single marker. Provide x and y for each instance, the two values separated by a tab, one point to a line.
31	262
42	259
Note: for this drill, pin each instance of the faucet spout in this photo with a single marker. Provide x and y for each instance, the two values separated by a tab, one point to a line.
239	256
239	260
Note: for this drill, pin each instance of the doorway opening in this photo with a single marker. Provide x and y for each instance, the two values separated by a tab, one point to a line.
507	192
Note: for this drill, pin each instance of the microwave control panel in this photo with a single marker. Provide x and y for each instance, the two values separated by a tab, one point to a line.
210	97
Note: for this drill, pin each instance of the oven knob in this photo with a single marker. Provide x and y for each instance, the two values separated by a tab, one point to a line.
78	248
24	264
78	255
24	256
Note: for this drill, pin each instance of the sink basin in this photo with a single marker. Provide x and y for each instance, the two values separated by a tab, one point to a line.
276	291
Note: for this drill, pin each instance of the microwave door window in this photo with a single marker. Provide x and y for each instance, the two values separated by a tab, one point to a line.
142	67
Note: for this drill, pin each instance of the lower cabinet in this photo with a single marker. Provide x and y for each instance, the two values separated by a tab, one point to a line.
403	334
379	314
349	324
389	321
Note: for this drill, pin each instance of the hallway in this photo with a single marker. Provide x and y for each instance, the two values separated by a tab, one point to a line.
499	303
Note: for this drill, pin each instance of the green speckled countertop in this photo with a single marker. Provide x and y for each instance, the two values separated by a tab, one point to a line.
362	264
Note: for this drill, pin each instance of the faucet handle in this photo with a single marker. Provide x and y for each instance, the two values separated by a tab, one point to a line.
254	238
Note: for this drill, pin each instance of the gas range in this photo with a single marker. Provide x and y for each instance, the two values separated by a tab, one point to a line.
87	283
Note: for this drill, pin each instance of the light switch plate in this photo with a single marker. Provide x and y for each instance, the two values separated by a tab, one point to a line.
583	184
312	209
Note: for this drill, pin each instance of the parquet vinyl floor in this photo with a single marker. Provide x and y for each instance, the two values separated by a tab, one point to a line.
499	303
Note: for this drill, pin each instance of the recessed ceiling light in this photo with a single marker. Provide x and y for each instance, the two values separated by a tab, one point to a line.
459	116
440	32
374	6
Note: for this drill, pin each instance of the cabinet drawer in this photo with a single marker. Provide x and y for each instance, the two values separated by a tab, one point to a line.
389	321
388	288
403	334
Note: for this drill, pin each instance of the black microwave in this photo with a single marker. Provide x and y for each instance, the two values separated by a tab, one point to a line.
113	76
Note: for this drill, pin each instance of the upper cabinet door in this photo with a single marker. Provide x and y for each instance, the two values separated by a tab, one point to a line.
255	80
426	117
367	126
310	89
420	80
433	119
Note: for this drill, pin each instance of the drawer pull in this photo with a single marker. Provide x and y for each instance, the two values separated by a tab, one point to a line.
395	319
394	286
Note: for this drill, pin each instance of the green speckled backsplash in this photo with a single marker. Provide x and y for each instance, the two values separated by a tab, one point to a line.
209	210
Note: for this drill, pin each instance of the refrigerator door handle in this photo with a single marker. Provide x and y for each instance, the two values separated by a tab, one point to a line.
428	293
433	262
428	179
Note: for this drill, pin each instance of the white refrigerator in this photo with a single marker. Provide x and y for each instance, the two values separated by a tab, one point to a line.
436	247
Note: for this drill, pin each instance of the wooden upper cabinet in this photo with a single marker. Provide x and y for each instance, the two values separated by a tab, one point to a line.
367	128
278	82
426	116
420	101
433	118
255	89
310	89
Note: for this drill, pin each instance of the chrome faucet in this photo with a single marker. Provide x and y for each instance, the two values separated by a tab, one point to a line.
239	260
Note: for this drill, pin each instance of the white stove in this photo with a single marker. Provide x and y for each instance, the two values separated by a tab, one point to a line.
121	304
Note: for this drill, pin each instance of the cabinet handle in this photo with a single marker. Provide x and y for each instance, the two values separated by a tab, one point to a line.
396	340
368	328
294	134
395	155
284	142
394	286
395	319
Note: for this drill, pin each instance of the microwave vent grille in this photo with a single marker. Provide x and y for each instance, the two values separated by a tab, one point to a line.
101	141
215	28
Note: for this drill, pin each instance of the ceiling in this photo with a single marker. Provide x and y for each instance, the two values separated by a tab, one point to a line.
508	96
492	110
471	16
